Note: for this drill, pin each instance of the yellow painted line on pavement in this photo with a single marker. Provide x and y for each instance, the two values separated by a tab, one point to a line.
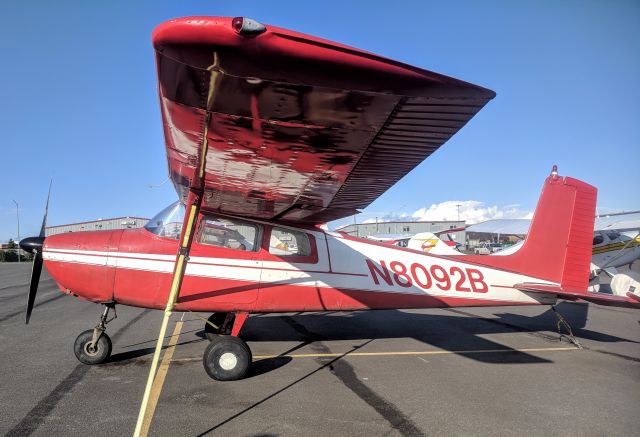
401	353
158	382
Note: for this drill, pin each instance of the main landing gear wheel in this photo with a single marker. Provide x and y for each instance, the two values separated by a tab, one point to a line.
217	319
89	352
227	358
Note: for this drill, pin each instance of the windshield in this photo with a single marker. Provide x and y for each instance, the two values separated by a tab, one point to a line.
168	222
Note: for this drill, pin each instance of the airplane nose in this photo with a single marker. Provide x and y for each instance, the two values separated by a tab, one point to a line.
32	244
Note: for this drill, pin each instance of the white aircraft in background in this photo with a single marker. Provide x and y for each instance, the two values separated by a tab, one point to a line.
400	240
616	243
429	242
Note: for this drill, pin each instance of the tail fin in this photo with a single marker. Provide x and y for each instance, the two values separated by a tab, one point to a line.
558	245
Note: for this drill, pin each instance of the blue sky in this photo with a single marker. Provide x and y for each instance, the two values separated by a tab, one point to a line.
78	100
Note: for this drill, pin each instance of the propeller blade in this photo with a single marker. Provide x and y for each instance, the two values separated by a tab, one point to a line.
46	212
35	280
34	245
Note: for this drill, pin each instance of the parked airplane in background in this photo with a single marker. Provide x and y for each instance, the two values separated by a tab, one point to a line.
423	241
430	242
612	249
400	240
270	133
616	243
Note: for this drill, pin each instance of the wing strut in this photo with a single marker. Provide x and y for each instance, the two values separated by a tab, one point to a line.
194	201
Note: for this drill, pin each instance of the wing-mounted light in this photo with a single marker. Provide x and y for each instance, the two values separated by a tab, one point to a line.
247	27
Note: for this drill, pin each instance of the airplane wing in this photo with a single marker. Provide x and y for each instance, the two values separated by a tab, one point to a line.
627	221
502	226
297	128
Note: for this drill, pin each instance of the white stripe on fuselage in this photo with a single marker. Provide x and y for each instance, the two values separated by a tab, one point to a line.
275	272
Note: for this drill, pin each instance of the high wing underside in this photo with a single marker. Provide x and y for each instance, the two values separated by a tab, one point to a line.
297	128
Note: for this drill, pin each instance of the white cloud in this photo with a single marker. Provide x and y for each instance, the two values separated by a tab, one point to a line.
472	211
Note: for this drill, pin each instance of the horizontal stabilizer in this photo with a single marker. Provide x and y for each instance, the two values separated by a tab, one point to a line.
628	301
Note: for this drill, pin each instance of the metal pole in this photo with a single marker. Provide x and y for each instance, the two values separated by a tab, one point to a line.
18	216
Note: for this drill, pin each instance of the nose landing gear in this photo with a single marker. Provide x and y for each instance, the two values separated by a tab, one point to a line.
227	357
93	346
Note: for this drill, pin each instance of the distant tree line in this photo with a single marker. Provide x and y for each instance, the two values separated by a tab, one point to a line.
9	253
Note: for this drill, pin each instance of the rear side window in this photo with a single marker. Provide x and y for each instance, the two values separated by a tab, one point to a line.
598	239
228	233
285	242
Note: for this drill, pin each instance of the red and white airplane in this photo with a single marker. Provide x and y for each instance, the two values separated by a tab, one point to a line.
269	134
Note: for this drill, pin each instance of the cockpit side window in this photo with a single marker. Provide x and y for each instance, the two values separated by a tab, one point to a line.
613	235
228	233
598	239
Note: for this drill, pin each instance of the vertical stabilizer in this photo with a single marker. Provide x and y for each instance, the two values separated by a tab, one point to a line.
558	245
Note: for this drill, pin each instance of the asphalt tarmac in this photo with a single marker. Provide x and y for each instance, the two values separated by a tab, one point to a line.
469	371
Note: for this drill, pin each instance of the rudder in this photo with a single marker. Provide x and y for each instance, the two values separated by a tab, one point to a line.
559	243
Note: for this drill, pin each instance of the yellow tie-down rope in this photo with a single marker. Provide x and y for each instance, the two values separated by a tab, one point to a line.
178	274
195	198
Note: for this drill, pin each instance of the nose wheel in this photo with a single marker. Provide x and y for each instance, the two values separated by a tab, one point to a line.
93	346
227	357
92	352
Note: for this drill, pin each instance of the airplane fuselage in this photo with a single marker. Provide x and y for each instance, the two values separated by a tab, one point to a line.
335	272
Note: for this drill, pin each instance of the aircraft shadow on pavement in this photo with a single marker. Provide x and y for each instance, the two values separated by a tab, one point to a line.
266	365
576	313
455	333
124	358
447	332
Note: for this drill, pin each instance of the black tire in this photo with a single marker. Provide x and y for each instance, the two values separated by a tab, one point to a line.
88	355
227	359
218	320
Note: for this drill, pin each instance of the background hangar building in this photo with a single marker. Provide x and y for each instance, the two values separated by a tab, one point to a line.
99	225
365	230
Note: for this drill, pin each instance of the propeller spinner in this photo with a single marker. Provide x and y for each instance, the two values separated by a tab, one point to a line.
34	245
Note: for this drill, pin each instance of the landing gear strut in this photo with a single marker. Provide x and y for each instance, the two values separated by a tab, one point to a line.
563	323
218	324
93	346
227	357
